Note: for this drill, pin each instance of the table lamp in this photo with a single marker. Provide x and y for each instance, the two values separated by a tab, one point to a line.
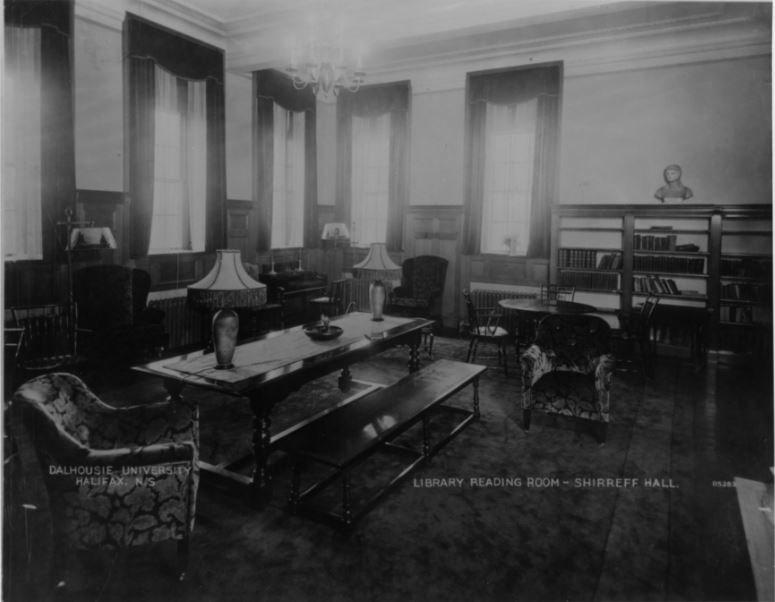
337	232
225	288
377	267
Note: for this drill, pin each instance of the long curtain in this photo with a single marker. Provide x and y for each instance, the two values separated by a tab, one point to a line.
509	87
150	46
370	179
288	179
53	19
371	102
180	164
274	88
22	186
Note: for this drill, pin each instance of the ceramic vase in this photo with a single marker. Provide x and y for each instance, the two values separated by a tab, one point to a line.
225	330
377	294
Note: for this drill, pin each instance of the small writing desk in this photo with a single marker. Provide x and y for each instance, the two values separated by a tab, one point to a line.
267	369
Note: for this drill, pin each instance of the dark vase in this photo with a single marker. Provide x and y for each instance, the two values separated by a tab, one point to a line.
225	330
377	296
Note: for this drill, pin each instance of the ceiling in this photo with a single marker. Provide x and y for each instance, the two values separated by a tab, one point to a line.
394	34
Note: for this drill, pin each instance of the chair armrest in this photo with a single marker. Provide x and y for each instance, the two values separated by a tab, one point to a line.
604	366
141	425
157	453
535	362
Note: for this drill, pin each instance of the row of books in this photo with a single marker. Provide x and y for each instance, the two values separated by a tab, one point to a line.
675	264
655	285
652	242
587	259
744	291
744	314
747	267
602	281
577	258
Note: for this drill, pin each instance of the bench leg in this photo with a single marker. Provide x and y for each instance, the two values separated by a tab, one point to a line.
293	500
426	436
475	385
347	511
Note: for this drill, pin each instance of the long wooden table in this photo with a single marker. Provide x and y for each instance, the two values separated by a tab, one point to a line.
267	369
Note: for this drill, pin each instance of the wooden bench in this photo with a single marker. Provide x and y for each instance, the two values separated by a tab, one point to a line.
344	437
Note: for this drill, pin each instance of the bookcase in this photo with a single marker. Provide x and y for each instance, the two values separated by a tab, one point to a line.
714	257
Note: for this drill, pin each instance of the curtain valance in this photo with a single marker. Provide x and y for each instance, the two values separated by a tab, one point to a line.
375	100
276	86
513	86
183	57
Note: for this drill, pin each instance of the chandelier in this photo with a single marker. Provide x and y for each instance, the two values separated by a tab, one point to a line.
325	68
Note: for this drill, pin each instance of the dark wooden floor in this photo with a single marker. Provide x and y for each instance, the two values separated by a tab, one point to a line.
720	427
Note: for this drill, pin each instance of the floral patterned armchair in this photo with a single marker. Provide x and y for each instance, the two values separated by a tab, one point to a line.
115	477
422	285
568	370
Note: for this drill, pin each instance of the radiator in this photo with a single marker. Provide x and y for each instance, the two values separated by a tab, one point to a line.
488	298
186	327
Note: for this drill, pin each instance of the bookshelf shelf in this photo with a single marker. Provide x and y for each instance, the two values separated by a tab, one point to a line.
716	257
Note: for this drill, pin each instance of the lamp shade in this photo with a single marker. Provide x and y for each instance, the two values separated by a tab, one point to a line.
81	237
335	230
377	264
227	285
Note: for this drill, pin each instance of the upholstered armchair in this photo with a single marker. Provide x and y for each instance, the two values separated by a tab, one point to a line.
422	285
112	301
115	477
568	370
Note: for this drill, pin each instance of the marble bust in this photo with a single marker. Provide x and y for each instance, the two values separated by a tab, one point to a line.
674	188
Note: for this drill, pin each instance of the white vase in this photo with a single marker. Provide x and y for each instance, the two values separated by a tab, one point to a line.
377	294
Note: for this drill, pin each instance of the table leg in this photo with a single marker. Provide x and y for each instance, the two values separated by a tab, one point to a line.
262	437
345	380
414	352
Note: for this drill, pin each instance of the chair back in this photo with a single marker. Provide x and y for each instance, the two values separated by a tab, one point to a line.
574	337
340	294
473	316
550	294
646	315
423	276
49	333
110	296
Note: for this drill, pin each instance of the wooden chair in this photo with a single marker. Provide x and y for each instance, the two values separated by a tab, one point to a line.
484	325
50	340
551	293
632	340
337	300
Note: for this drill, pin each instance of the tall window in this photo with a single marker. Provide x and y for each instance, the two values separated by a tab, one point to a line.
512	132
286	172
372	162
22	236
180	165
508	177
38	158
176	142
288	179
370	179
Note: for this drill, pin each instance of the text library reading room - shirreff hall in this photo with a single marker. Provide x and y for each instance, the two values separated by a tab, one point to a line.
343	300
